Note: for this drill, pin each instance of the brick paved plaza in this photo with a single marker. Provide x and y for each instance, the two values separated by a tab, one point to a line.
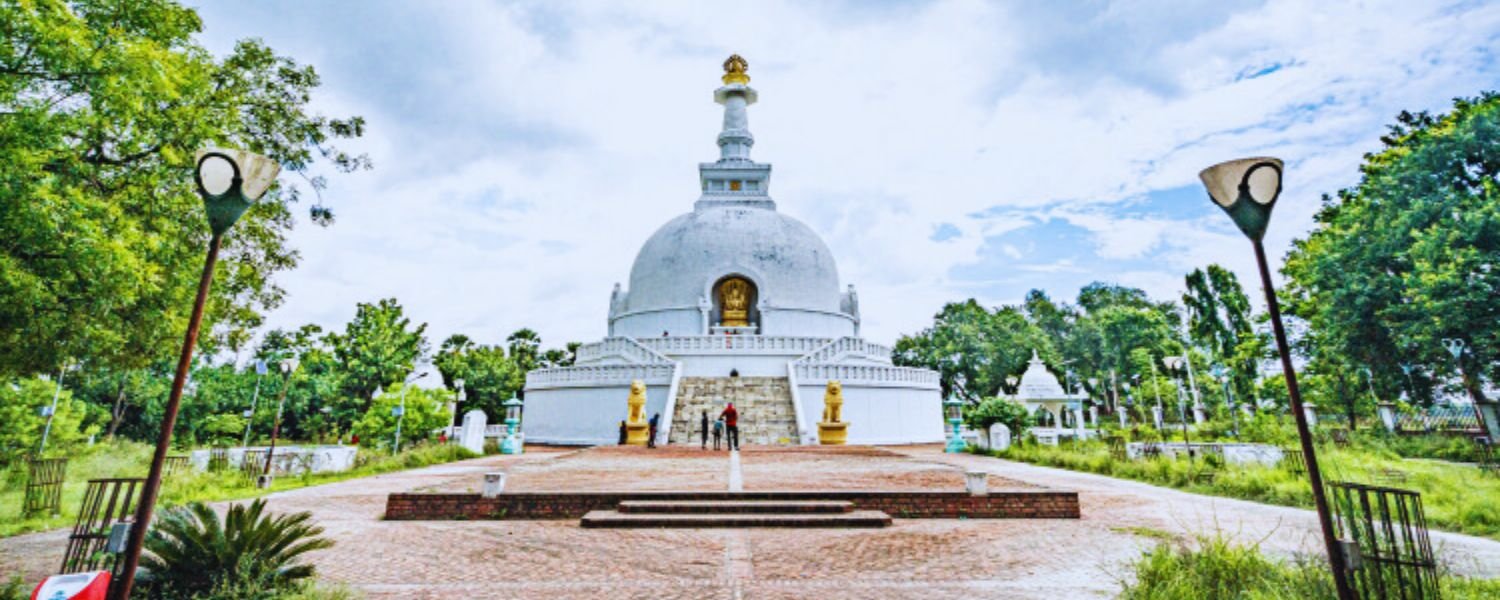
1051	558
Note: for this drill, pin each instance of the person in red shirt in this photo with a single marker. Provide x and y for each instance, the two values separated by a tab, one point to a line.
731	426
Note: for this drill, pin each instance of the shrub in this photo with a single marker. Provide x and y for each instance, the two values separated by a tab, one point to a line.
426	410
998	410
194	553
1213	569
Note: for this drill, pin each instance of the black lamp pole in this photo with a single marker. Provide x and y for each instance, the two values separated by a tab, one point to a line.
1247	189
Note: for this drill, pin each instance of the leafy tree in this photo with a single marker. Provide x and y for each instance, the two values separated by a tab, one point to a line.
102	106
974	349
193	553
490	377
378	348
426	410
1409	255
20	404
525	347
1220	320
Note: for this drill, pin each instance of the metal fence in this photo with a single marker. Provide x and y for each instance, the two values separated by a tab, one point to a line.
44	484
1388	554
1455	419
105	503
175	464
218	459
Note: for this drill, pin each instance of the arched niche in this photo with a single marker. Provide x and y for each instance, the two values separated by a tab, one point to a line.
736	301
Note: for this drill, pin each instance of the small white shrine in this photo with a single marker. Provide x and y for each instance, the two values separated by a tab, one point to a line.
1057	413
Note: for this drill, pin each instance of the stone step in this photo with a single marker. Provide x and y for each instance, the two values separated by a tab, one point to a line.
616	519
736	506
764	403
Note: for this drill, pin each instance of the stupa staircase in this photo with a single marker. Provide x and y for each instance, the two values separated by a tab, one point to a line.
766	414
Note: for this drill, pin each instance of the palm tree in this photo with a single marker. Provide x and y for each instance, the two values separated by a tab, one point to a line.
192	552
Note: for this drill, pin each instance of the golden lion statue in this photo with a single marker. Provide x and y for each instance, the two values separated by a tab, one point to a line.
833	431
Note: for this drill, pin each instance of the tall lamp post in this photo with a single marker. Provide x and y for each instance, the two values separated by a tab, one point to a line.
288	367
1458	347
1224	376
401	412
51	411
229	182
260	371
1247	189
1174	366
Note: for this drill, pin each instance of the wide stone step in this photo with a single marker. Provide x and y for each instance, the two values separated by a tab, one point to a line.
735	506
616	519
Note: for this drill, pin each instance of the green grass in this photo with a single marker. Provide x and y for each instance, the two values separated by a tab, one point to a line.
131	459
1455	497
1211	568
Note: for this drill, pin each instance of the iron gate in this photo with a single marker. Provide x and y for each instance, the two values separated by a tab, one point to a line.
105	503
44	485
1388	554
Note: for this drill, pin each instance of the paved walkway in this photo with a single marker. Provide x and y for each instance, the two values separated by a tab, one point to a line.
914	558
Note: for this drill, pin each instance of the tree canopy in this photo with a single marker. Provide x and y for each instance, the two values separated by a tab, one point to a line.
102	106
1411	254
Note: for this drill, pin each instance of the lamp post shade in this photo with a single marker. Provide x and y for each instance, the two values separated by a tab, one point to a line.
230	181
1247	189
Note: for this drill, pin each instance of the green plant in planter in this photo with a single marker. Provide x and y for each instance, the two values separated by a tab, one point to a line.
193	552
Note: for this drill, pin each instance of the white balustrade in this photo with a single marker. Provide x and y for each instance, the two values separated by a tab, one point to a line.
866	373
599	374
625	347
712	344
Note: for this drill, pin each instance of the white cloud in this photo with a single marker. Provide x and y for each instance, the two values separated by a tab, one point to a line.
524	151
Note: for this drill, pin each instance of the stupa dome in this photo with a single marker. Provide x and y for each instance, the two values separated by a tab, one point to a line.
790	265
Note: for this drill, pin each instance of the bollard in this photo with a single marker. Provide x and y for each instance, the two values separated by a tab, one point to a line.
494	483
977	483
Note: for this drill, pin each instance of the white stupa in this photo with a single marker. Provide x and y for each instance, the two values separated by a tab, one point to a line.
734	301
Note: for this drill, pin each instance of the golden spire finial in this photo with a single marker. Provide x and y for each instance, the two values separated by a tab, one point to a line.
734	70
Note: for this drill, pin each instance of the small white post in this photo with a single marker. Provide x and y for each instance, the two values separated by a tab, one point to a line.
977	483
494	483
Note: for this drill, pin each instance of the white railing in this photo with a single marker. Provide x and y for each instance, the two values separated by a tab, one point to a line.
624	347
845	346
601	374
769	344
865	373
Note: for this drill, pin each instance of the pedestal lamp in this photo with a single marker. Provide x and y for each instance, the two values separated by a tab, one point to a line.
512	444
954	407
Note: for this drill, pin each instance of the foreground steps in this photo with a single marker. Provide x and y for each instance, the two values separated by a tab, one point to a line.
735	506
851	519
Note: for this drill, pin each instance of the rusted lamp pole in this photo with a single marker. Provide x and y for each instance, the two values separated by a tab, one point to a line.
229	182
1247	189
288	367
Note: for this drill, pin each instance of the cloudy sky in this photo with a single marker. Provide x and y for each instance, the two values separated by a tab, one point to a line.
945	150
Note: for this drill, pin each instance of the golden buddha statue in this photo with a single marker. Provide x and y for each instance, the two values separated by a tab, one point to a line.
734	297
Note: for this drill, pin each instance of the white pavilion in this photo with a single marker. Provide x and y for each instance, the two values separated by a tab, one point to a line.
1058	413
734	302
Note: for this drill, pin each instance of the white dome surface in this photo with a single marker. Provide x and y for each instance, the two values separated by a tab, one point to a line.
789	264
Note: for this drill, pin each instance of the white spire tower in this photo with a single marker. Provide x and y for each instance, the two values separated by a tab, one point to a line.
734	178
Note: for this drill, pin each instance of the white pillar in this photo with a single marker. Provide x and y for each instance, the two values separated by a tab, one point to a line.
1387	413
1156	417
1309	411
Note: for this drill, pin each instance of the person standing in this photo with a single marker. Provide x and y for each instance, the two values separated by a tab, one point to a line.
651	437
622	433
703	425
731	427
718	432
